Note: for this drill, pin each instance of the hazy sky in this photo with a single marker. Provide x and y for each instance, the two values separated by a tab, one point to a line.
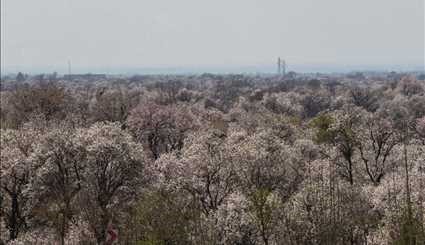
44	34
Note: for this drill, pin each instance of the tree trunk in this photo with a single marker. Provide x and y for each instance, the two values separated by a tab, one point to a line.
409	236
13	218
101	234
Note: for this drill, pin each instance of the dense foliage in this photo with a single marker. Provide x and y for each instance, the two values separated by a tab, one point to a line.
213	159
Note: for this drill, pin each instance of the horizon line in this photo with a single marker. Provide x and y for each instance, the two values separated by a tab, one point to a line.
201	69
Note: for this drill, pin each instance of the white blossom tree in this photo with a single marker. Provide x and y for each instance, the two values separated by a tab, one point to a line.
376	138
113	173
161	128
16	171
58	176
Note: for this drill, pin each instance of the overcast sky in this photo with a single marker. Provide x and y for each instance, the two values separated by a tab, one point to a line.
45	34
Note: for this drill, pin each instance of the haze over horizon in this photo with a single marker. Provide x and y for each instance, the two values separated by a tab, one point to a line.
192	35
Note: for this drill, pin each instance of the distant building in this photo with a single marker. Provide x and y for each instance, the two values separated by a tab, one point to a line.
89	76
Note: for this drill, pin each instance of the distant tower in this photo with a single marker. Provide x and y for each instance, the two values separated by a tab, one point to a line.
69	70
69	67
279	68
